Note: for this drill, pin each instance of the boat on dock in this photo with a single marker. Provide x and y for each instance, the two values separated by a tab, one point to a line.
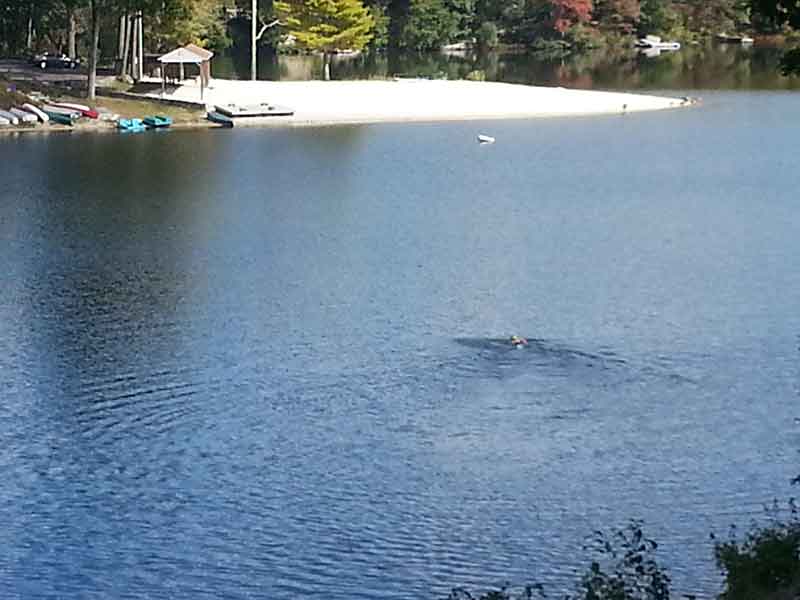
40	114
218	117
84	110
131	125
23	115
4	122
157	121
10	117
263	109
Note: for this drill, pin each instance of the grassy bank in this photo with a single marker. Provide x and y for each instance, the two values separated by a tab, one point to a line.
16	94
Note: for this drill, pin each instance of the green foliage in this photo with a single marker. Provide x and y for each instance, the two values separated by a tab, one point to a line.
658	17
583	37
790	62
486	36
617	15
775	14
327	25
530	592
765	563
625	568
464	14
198	22
429	25
380	32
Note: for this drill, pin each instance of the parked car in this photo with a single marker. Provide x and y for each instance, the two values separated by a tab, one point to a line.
55	61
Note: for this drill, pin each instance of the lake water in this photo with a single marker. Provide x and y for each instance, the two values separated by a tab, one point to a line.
270	363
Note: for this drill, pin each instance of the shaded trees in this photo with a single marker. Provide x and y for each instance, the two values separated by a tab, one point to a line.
617	15
428	25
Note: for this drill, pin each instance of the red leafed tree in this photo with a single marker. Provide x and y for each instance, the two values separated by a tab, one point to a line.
566	13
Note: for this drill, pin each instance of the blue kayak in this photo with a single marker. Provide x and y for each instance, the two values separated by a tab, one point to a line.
131	125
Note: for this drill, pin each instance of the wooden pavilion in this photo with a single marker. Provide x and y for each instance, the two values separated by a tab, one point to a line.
188	54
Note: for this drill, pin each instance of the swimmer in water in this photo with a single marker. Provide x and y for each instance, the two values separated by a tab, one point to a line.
518	341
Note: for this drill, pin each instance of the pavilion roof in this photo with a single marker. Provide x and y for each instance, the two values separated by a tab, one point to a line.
190	54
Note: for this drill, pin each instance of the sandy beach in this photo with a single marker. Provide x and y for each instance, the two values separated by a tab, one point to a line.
373	101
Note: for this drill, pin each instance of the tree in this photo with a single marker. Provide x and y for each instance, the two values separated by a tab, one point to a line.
95	6
765	563
198	22
619	15
111	9
566	13
430	25
465	14
657	16
327	25
776	14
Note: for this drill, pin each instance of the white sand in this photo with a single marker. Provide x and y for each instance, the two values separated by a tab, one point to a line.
330	102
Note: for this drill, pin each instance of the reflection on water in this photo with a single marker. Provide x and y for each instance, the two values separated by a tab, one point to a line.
719	66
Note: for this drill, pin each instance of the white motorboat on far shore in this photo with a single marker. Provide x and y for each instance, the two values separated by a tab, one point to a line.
654	42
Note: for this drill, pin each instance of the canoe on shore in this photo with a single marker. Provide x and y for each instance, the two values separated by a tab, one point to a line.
84	110
218	117
60	115
10	117
23	115
40	114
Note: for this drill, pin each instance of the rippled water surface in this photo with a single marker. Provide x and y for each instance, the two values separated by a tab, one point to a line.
271	363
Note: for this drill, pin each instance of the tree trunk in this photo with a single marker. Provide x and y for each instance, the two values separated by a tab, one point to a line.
326	65
134	50
121	37
71	31
126	42
29	39
95	37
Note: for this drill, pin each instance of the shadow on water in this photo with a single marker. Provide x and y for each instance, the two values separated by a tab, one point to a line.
538	349
103	311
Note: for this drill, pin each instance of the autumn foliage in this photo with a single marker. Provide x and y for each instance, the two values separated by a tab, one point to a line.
566	13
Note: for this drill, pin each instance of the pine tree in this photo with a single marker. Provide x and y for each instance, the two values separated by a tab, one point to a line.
327	25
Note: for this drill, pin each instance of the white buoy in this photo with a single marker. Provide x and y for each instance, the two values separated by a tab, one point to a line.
485	139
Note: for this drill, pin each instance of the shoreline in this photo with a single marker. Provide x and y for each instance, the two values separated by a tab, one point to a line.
368	102
405	100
